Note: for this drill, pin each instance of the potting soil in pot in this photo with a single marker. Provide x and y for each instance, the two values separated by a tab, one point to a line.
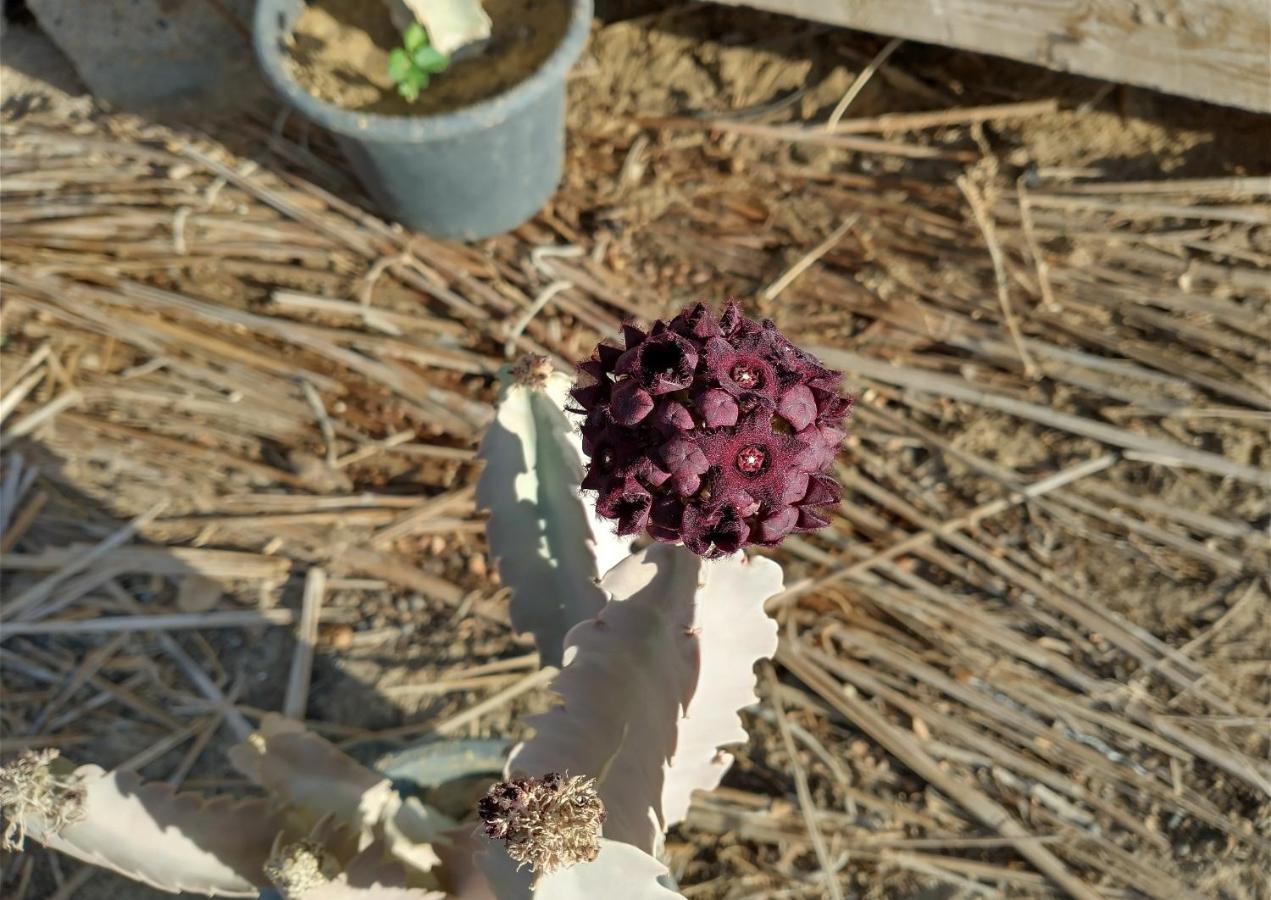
339	53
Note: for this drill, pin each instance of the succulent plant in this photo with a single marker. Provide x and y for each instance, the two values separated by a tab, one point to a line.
548	542
657	651
714	431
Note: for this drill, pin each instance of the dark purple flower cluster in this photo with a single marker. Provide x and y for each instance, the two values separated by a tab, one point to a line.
714	431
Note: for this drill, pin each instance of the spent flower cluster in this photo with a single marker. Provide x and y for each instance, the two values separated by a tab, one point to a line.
297	868
546	823
711	430
29	787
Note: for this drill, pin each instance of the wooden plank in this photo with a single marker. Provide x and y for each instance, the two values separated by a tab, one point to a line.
1215	50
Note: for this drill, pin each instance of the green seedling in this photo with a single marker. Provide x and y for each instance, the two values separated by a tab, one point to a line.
411	65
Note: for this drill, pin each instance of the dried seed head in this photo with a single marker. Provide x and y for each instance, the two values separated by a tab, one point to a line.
295	869
711	430
28	787
546	823
531	370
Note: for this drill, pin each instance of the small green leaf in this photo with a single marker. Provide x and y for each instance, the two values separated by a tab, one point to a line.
415	37
430	59
399	65
414	82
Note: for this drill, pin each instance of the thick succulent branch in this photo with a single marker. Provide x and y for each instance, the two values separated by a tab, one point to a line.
548	543
652	686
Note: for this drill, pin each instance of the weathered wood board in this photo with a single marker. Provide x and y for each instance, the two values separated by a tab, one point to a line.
1215	50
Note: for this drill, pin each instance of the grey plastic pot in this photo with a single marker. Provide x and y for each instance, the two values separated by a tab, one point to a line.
471	173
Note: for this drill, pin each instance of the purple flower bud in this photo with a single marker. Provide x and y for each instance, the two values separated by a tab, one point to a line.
798	407
670	417
696	322
682	455
648	472
718	408
630	403
794	488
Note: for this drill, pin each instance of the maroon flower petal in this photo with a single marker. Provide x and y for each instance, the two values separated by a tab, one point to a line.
823	491
777	525
607	502
630	504
589	396
598	479
595	432
608	355
713	532
665	519
811	520
631	335
831	409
